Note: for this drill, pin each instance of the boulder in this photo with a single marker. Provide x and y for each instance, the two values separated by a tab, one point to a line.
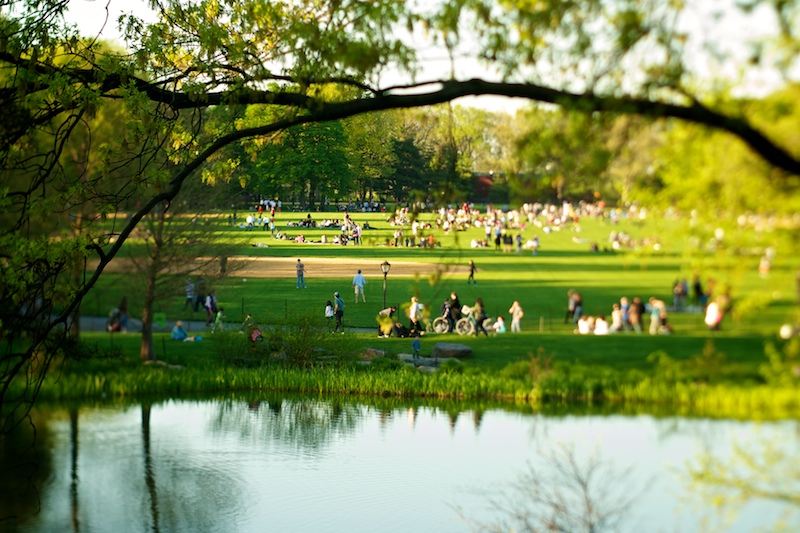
444	350
371	354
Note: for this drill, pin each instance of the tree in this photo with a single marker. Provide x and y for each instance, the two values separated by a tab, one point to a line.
309	159
568	150
369	153
629	58
410	171
177	240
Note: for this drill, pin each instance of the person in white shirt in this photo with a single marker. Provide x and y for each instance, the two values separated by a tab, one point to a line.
600	326
358	286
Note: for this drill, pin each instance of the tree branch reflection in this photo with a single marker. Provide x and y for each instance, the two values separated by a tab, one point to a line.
564	493
722	484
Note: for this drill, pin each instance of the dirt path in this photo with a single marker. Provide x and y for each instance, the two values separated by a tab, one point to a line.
316	267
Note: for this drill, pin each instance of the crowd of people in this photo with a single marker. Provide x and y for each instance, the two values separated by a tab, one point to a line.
504	230
630	315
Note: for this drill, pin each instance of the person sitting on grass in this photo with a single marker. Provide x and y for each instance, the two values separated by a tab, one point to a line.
601	326
499	326
616	319
179	334
584	326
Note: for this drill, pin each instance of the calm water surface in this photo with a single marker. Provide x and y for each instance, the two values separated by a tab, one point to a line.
312	465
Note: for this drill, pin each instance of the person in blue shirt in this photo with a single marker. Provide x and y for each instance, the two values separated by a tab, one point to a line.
416	346
179	334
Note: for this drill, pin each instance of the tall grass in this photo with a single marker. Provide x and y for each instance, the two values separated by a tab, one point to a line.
725	400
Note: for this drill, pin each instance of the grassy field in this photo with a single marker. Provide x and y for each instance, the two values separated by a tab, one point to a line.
540	283
717	372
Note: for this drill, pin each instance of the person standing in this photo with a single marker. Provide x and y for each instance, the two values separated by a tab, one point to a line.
657	315
578	310
472	270
415	314
516	315
635	314
210	306
338	311
301	274
455	310
329	313
479	315
190	295
123	315
570	307
358	286
200	293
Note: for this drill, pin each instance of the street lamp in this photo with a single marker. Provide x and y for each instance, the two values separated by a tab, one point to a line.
385	266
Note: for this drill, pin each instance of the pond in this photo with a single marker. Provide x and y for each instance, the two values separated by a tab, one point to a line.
331	464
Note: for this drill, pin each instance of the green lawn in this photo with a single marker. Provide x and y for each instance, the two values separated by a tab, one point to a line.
540	283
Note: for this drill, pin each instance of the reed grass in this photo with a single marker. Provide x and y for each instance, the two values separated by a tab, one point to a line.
557	386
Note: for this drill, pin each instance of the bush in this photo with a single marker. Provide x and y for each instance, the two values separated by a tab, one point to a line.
234	348
305	341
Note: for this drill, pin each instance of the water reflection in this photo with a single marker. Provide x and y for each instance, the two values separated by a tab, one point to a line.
289	463
149	476
26	463
564	491
759	471
73	471
303	423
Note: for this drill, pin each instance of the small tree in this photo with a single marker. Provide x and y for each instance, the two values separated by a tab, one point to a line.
178	239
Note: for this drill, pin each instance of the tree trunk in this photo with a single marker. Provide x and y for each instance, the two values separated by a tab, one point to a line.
147	353
312	193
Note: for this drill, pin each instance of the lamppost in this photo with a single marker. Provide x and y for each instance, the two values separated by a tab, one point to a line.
385	266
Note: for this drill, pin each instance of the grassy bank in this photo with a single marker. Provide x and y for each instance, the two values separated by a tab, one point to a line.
705	383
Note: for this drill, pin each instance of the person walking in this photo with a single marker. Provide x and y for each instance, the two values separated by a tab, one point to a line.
301	274
219	321
479	315
516	315
358	286
472	270
190	295
338	311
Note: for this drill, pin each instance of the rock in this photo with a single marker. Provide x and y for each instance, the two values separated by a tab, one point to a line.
426	369
371	354
444	350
